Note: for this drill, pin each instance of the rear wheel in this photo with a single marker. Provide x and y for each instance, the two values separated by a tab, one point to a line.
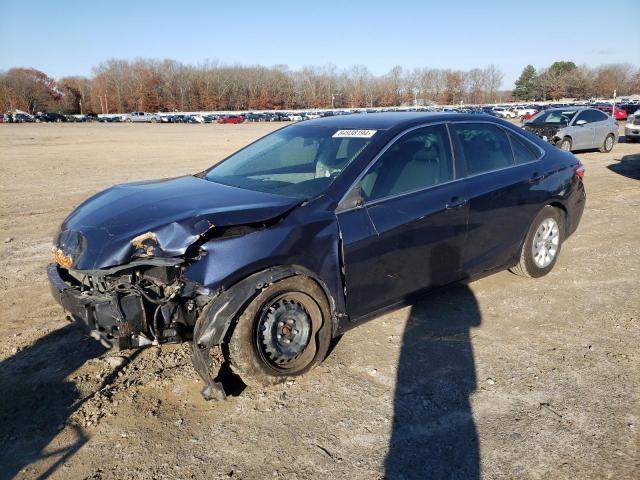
283	332
542	245
565	144
607	146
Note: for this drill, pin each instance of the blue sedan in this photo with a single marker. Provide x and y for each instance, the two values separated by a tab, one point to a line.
311	230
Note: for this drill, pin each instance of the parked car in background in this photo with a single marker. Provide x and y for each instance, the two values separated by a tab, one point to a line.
294	117
196	119
630	108
22	117
529	115
504	112
143	117
291	241
209	118
576	128
521	110
252	117
231	119
619	113
50	117
489	111
632	128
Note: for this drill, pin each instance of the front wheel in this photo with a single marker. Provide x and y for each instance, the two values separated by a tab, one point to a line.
542	244
565	144
283	332
607	146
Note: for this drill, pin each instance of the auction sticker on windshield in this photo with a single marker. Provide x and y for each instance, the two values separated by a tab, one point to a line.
354	133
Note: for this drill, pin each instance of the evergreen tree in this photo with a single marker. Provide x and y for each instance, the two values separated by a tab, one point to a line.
525	84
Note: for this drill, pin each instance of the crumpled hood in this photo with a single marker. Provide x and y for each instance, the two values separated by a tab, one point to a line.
177	211
544	130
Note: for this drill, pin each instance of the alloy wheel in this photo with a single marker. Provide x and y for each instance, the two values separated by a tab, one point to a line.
545	243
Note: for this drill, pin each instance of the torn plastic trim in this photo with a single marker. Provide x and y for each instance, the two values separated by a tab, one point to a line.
146	262
213	324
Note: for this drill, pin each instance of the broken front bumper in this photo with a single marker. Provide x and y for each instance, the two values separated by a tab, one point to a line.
117	319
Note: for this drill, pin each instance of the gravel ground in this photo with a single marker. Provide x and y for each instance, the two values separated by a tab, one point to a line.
502	378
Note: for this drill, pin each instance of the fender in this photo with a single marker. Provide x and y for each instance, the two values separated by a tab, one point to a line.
214	322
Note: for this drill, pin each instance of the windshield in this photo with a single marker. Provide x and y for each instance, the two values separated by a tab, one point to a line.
298	161
553	117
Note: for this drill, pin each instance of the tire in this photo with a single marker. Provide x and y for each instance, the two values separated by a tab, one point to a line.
565	144
608	144
535	266
260	359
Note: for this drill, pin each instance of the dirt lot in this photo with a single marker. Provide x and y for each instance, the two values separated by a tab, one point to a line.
504	378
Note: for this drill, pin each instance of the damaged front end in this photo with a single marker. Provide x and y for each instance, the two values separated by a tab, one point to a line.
548	133
122	257
141	303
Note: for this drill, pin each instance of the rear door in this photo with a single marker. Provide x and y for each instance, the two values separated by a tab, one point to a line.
500	190
601	123
410	232
583	135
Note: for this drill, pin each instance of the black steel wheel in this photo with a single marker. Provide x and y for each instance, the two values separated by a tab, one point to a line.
283	332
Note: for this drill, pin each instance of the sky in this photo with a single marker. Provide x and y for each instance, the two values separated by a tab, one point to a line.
68	37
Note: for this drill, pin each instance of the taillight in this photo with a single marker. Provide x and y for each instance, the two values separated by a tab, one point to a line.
578	170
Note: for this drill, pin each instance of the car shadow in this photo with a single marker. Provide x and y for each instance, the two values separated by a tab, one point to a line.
38	397
628	166
434	434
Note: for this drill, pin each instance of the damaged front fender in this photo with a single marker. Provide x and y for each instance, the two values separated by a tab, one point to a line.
214	323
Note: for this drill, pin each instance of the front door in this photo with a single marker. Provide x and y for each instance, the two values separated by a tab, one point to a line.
410	232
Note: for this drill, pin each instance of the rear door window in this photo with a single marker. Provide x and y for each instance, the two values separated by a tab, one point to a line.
484	147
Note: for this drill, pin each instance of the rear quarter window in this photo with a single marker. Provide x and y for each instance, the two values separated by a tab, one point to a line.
523	152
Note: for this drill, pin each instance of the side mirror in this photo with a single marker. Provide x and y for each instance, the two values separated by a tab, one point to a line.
581	122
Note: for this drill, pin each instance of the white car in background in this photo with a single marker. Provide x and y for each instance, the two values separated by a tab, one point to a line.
143	117
504	112
519	110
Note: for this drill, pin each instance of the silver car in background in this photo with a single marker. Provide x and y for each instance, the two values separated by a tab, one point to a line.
575	128
143	117
632	128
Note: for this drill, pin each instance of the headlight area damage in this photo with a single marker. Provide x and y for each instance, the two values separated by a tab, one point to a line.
150	300
549	133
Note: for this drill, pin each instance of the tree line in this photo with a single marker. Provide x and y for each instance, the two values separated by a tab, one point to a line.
119	86
565	79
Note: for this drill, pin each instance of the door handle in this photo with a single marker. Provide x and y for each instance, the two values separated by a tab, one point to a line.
455	203
536	177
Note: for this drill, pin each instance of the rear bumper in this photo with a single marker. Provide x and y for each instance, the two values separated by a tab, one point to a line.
118	319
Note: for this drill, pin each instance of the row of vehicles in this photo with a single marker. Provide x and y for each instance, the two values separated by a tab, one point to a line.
619	111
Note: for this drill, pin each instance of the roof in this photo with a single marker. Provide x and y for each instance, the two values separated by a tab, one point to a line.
571	108
388	120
